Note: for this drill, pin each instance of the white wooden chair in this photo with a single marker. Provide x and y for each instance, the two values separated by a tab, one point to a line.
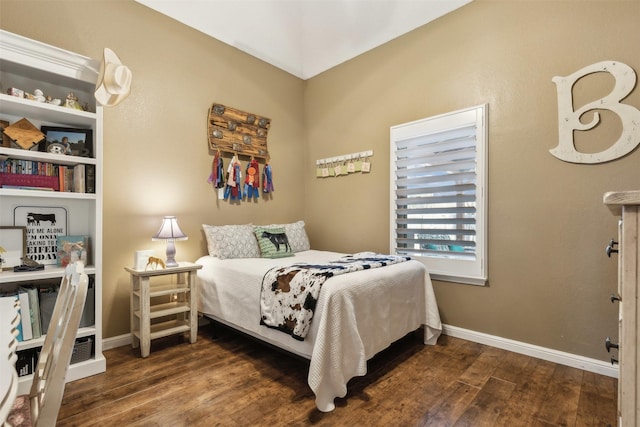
48	384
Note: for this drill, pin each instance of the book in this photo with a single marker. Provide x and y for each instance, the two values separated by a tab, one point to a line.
79	178
68	179
62	172
22	187
90	178
25	316
47	295
72	249
34	307
27	180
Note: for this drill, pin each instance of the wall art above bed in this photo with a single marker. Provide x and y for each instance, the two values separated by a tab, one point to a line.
233	131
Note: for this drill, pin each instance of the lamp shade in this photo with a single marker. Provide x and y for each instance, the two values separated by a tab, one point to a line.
170	230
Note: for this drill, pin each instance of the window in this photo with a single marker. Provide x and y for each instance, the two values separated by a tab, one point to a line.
438	194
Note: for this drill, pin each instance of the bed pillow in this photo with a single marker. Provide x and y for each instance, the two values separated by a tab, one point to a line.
296	234
273	242
231	241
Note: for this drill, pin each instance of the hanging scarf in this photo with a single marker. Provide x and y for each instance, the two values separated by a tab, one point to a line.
267	179
234	176
238	178
217	178
252	180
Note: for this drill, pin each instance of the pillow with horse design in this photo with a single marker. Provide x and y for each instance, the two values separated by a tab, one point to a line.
273	242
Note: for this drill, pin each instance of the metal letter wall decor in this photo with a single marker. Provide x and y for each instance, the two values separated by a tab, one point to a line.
234	131
569	120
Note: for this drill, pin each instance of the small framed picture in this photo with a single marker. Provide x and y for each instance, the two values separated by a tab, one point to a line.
13	244
70	141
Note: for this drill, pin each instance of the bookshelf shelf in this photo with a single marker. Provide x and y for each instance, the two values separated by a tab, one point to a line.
37	342
49	194
40	156
46	113
49	272
28	65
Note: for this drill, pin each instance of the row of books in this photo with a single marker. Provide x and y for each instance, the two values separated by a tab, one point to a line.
77	179
35	307
36	304
30	167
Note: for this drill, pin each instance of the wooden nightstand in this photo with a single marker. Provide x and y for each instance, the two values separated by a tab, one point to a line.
166	298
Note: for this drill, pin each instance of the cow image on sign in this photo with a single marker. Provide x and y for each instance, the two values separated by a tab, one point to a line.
569	120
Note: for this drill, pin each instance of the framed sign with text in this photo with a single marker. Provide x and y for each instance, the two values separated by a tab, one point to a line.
44	224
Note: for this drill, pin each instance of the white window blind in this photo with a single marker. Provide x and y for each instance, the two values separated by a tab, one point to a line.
438	194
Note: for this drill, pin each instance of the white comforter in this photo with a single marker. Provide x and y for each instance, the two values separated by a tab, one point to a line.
357	315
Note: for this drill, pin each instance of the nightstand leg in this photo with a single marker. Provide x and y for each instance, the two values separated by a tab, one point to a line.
193	304
135	305
145	317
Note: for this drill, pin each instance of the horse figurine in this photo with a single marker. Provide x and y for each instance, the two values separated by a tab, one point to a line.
155	262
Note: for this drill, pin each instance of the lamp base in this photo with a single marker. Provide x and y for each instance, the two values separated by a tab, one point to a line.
171	254
171	263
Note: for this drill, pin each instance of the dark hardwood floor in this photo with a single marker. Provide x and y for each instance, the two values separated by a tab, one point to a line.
230	380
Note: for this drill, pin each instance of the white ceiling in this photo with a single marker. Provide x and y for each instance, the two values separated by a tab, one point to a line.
304	37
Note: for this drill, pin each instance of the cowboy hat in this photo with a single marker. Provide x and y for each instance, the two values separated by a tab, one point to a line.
114	80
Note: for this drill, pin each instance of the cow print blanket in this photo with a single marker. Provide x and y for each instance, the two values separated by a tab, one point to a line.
289	294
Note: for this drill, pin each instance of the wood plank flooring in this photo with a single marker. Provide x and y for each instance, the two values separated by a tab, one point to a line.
227	379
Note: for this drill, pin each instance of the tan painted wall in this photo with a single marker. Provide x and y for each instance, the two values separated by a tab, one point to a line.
155	143
549	280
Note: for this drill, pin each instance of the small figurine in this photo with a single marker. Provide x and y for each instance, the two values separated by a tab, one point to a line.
72	102
39	96
52	101
153	261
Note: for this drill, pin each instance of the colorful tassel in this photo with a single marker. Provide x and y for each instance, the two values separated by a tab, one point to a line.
233	189
267	179
238	184
252	180
217	176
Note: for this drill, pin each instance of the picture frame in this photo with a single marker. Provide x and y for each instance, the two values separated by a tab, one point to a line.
14	242
68	141
43	225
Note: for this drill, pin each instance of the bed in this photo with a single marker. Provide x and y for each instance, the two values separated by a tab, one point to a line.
357	314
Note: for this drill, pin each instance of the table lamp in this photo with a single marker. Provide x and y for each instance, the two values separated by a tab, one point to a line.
170	231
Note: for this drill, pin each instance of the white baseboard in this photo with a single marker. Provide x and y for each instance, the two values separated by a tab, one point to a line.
562	358
113	342
125	339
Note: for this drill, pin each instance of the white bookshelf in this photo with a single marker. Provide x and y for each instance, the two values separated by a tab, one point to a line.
30	65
